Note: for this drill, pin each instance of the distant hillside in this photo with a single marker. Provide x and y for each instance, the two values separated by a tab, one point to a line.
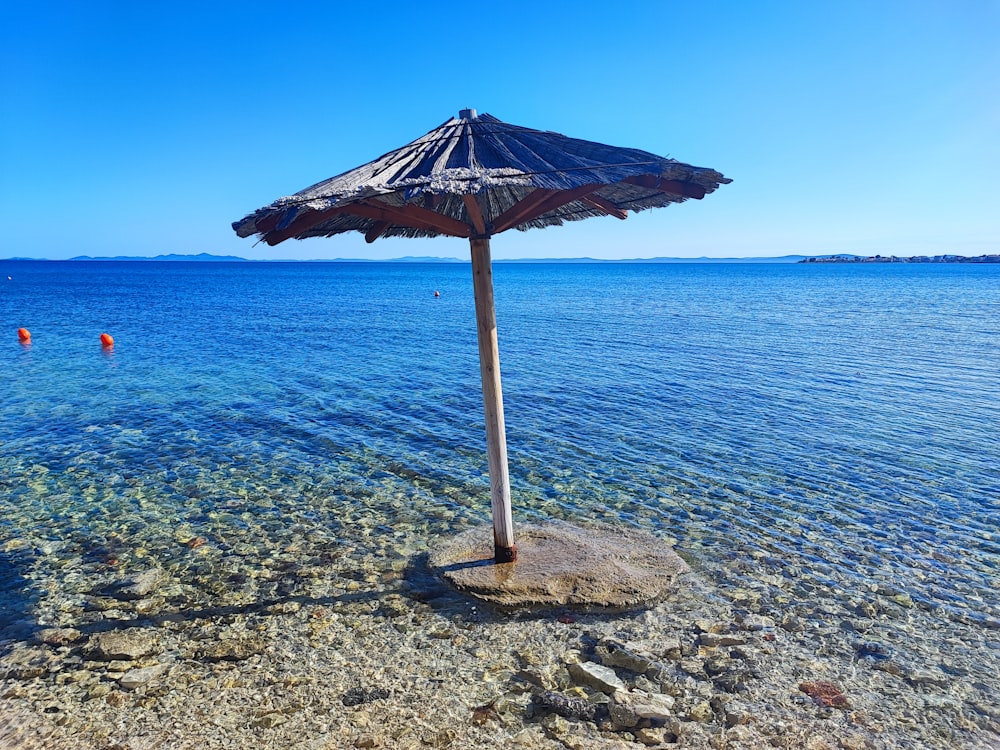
837	258
780	259
208	258
896	259
200	258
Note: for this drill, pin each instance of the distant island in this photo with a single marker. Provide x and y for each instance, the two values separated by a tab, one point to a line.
200	257
896	259
416	259
209	258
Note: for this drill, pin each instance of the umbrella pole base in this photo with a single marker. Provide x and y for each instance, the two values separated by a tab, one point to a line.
596	565
505	554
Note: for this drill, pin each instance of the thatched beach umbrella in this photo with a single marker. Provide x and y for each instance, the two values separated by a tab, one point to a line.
474	177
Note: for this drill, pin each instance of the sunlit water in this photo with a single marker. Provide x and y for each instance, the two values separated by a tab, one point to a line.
798	430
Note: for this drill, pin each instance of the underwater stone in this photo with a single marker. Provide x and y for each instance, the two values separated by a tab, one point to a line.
232	650
139	585
615	654
714	640
756	622
59	636
358	695
792	624
629	708
652	736
670	648
701	712
572	708
718	664
926	677
136	677
596	676
825	694
126	644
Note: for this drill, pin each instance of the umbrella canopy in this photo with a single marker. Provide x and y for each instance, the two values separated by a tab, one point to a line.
479	176
475	176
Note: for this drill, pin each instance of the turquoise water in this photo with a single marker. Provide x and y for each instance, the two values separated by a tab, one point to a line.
800	431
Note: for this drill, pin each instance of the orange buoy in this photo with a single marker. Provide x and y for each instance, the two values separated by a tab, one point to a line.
23	335
107	341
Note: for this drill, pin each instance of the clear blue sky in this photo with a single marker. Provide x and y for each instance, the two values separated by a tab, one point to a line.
861	126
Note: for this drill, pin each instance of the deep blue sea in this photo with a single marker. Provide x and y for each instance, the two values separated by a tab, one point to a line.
831	425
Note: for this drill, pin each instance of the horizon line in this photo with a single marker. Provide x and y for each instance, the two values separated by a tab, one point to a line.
209	257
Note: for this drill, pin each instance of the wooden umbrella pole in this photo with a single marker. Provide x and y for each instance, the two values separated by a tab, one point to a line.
489	366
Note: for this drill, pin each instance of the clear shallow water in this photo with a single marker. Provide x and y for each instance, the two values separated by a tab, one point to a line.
798	431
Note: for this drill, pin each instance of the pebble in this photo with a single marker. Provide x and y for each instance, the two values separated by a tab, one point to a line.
26	664
735	713
99	691
547	701
825	694
596	676
792	624
532	736
139	585
136	677
854	742
718	664
652	736
358	695
693	666
556	724
732	682
756	622
716	640
630	708
120	644
701	712
667	647
235	649
614	654
59	636
270	720
926	677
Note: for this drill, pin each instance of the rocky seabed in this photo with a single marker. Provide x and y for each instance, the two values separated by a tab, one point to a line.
337	654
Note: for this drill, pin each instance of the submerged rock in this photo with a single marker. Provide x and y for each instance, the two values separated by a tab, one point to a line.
59	636
236	649
653	736
701	712
631	708
125	645
26	664
358	695
719	664
544	701
139	585
615	654
825	694
715	640
136	677
596	676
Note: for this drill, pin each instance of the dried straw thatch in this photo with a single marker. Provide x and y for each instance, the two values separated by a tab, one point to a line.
475	176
